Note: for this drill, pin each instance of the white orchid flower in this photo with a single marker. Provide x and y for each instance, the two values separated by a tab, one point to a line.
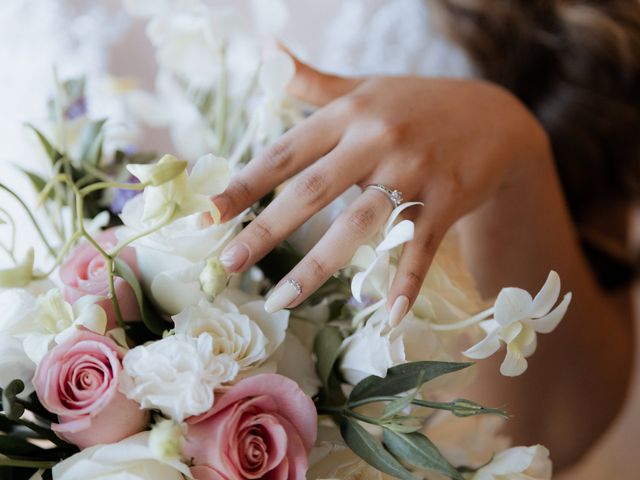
39	322
377	263
519	463
19	275
517	318
186	194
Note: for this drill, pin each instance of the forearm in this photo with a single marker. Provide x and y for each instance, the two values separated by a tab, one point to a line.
577	379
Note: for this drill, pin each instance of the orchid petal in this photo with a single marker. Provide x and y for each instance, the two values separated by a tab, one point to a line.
512	305
209	176
401	233
546	297
485	348
549	322
510	332
514	460
396	212
514	363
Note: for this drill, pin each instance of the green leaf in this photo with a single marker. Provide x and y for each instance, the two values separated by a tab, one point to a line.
419	451
403	378
371	451
53	154
11	408
153	323
326	347
91	141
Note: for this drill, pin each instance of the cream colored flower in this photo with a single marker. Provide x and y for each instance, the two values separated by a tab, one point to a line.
39	322
176	375
242	329
186	194
517	320
519	463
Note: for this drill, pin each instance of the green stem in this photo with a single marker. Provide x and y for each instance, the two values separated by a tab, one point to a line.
464	323
345	412
12	225
31	217
44	432
110	266
104	185
65	249
14	462
96	173
222	100
121	246
237	115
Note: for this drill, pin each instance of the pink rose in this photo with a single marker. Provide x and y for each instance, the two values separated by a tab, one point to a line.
84	273
78	381
264	427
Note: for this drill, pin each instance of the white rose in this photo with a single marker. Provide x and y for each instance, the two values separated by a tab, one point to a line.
376	347
531	463
176	375
15	364
171	260
131	458
239	327
372	350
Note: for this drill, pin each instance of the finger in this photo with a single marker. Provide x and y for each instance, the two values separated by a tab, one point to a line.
306	194
295	150
416	258
353	227
317	88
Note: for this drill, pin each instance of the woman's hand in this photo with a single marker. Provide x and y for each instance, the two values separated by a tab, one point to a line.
450	144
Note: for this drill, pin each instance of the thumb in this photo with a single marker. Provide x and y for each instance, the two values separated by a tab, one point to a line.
317	88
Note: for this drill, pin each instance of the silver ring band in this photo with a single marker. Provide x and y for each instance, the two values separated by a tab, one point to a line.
394	196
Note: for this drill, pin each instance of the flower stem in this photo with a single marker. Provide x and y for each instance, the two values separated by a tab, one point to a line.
14	462
463	324
104	185
31	218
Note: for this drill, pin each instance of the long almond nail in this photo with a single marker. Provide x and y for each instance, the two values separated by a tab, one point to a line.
283	296
234	257
399	310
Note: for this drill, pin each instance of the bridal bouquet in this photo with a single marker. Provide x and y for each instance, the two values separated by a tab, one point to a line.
127	351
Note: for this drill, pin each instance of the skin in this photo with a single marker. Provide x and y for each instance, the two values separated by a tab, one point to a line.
480	162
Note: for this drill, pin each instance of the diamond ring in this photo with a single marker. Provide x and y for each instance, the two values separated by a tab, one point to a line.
394	196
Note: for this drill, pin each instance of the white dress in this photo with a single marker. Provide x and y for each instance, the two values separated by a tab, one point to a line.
352	37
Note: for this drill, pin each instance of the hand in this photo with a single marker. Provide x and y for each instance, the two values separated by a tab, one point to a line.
450	144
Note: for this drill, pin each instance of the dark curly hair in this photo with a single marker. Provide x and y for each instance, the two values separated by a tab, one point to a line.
576	65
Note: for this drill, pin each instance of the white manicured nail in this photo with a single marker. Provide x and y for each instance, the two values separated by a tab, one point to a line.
398	310
283	296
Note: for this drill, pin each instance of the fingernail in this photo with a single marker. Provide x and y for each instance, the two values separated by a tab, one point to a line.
399	310
283	296
234	257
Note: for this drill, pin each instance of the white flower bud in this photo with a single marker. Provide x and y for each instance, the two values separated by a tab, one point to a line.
167	169
214	278
165	440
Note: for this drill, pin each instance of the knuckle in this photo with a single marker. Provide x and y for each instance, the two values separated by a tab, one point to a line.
238	191
413	280
312	188
388	132
278	156
430	242
361	220
352	105
261	230
317	268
